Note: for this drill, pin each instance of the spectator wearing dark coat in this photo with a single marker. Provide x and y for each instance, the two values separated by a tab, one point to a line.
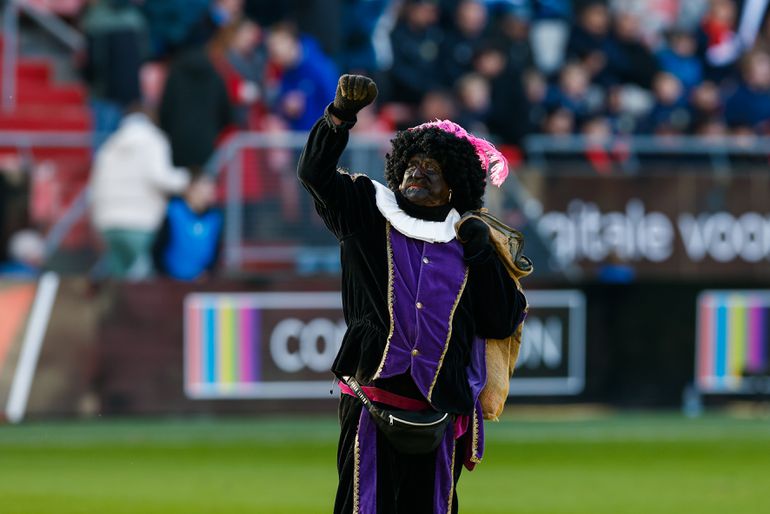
575	93
508	119
629	60
416	41
560	9
14	198
463	40
590	42
670	114
749	104
513	30
706	103
172	23
474	97
117	42
195	108
219	15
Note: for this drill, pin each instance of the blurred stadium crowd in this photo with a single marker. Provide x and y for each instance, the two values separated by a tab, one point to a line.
506	67
501	68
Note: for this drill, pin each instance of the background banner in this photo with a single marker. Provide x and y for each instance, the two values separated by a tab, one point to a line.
237	347
680	226
282	345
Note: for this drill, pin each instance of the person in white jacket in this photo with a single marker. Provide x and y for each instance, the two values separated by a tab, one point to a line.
131	179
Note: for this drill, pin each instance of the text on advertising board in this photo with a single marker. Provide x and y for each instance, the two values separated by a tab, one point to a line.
282	345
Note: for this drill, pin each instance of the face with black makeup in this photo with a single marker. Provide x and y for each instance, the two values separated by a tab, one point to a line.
423	183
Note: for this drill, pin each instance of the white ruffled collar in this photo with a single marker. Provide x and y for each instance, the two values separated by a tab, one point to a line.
428	231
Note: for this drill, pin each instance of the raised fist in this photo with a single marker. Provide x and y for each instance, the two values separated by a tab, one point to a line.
354	92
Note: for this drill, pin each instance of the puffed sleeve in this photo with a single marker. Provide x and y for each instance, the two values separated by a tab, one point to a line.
342	200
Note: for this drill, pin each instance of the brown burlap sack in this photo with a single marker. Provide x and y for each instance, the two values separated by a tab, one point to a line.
501	354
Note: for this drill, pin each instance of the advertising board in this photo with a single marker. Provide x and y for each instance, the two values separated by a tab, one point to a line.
665	225
282	345
732	341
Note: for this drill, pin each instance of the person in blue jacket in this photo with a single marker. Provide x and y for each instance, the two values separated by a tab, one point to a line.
308	76
188	243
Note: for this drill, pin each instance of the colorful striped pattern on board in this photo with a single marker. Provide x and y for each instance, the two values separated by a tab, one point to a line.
221	341
733	339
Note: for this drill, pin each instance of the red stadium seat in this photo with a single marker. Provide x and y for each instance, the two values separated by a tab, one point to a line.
42	105
33	70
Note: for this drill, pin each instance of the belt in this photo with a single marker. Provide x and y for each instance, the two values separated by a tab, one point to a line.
378	395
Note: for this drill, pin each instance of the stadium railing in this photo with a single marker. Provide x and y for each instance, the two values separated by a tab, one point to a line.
271	224
46	19
269	219
632	154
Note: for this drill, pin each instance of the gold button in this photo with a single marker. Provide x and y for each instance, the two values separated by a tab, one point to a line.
425	260
419	305
415	352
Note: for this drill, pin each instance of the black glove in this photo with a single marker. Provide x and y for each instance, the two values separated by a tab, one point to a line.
474	236
354	92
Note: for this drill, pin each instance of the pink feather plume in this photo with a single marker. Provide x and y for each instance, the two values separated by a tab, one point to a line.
491	158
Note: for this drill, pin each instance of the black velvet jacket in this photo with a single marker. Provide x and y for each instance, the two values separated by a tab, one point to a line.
489	307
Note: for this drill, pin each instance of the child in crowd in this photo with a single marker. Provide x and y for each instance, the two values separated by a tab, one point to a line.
749	103
670	114
187	247
706	103
575	92
536	91
590	39
559	122
679	57
459	45
437	105
474	99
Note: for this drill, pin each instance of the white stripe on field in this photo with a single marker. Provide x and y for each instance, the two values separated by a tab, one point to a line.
31	346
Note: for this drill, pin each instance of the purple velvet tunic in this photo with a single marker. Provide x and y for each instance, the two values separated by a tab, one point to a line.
425	283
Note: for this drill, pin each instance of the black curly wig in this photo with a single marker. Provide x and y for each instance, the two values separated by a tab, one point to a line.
459	163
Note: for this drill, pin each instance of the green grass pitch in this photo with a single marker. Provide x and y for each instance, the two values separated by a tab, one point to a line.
613	464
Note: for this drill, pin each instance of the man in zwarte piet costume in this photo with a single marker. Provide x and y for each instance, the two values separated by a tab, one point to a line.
418	298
